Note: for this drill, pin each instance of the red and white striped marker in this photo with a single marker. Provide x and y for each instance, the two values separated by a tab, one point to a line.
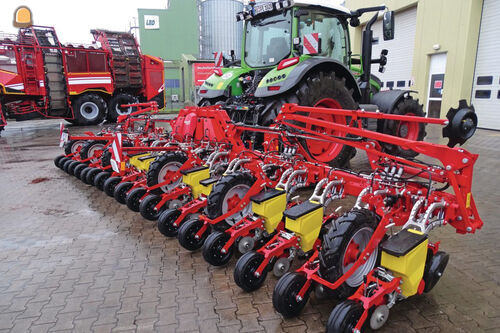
218	59
116	152
63	136
311	43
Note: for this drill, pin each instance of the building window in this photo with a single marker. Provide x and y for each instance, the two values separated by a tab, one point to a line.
409	83
390	84
484	80
381	84
483	94
401	84
498	94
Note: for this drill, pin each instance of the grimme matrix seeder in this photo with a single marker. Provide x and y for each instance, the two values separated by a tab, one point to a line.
371	257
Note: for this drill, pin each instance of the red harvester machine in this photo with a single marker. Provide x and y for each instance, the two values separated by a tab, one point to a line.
84	85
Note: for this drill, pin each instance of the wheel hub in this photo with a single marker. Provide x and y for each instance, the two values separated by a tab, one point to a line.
89	110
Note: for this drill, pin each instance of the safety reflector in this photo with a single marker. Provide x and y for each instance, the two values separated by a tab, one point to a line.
311	43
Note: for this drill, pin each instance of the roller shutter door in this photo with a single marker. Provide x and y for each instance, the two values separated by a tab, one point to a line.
398	72
486	86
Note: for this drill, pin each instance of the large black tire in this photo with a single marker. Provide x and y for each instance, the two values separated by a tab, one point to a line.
78	170
244	271
100	179
58	159
227	187
133	197
61	161
89	179
121	190
71	168
344	317
66	165
89	109
166	220
147	207
72	146
170	161
110	185
213	246
318	89
90	149
413	131
341	245
106	158
285	294
187	232
114	107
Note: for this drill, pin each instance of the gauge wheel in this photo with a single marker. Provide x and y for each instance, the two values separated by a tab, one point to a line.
213	246
244	271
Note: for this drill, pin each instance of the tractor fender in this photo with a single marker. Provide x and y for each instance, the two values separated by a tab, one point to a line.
386	102
302	69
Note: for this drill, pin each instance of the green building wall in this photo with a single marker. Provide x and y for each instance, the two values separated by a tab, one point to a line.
178	34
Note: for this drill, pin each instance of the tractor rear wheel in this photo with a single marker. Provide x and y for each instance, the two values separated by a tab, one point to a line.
408	130
164	167
226	195
114	107
342	246
319	89
89	109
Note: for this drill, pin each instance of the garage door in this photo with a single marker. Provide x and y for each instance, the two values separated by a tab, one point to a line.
400	58
486	87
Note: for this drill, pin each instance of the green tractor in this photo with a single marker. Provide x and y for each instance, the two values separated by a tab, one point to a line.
299	52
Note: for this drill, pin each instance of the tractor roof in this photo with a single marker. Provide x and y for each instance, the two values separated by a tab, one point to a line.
322	3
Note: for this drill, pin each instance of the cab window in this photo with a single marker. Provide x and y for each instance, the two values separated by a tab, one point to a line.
333	35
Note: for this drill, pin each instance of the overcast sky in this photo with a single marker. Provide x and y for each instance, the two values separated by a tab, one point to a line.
73	19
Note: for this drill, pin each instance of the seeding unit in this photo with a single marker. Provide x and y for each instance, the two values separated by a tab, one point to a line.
211	189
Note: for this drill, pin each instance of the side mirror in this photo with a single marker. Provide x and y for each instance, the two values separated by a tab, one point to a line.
388	25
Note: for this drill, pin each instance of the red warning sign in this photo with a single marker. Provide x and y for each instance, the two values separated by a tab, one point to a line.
438	84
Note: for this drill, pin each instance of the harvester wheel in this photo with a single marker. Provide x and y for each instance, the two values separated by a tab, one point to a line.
91	150
100	179
244	271
72	146
121	190
285	294
341	247
226	195
163	167
166	222
344	317
78	170
413	131
187	235
133	197
147	207
89	109
114	107
110	185
91	176
321	89
213	246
